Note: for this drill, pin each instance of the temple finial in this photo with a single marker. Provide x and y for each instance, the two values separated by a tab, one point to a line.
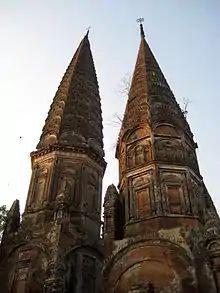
88	30
140	21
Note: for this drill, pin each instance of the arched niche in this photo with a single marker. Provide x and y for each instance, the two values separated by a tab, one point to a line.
166	129
82	270
40	256
160	262
143	273
139	153
30	267
135	134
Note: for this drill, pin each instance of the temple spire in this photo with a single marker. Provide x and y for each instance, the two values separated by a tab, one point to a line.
160	192
63	206
74	118
148	84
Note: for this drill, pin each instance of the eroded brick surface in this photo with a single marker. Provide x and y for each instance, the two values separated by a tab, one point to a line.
161	221
161	229
57	246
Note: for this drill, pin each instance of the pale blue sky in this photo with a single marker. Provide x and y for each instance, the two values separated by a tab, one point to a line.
38	39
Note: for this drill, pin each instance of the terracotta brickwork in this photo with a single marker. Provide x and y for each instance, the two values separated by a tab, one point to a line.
57	245
156	224
161	231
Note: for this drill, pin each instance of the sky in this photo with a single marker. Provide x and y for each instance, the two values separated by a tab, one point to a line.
38	40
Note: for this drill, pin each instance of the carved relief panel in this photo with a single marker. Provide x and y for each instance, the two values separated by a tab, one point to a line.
139	154
88	274
174	197
42	174
38	268
174	194
82	272
67	186
38	190
91	191
141	199
67	182
22	270
169	150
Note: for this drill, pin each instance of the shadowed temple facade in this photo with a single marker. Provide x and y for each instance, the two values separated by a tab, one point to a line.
161	231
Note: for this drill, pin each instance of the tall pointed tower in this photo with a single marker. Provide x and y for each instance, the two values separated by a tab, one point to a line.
57	245
161	229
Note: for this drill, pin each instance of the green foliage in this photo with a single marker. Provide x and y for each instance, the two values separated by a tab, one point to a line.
3	217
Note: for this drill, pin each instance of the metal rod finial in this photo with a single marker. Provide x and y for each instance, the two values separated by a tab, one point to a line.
140	21
88	30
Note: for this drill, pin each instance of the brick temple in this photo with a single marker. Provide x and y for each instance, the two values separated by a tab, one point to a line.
161	231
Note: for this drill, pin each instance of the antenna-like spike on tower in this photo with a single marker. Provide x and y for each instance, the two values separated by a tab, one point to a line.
140	21
88	30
